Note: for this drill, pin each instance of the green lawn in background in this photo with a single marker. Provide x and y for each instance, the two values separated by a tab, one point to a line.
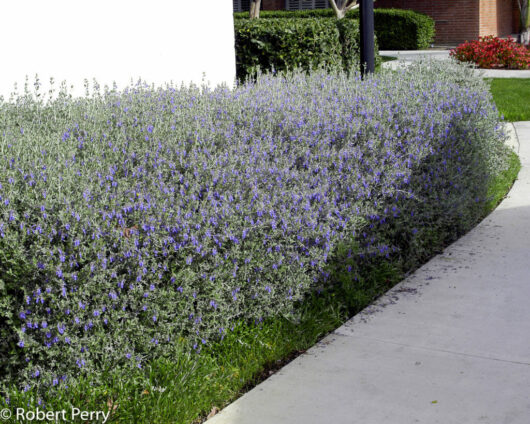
388	58
383	60
512	97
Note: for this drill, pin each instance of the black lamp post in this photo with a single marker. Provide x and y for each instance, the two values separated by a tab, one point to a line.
367	36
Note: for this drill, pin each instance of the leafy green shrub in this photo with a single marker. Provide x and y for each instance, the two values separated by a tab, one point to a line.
398	29
349	40
395	29
281	14
140	223
285	44
282	44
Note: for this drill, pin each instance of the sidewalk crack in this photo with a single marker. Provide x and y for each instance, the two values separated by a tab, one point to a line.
471	355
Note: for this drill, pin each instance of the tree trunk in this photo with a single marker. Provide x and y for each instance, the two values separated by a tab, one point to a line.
338	9
341	7
524	37
524	15
254	9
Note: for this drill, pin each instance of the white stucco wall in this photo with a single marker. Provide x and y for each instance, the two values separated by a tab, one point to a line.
115	40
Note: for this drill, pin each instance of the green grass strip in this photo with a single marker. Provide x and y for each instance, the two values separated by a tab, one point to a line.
388	58
512	97
502	183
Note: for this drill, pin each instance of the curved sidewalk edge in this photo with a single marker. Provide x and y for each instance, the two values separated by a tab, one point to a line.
449	344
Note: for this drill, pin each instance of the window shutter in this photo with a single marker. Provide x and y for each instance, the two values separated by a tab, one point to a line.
241	5
306	4
293	4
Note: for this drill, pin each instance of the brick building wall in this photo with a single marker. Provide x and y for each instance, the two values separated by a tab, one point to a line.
456	20
461	20
496	17
506	24
273	4
516	18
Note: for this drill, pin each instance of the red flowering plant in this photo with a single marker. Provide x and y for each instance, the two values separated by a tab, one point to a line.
492	52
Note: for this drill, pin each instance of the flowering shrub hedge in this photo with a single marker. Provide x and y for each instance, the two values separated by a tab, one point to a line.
138	223
492	52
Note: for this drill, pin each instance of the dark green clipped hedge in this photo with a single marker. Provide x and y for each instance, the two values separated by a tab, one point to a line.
350	41
398	29
395	29
272	14
282	44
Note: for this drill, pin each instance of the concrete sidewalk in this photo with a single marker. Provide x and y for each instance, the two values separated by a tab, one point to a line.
449	345
406	57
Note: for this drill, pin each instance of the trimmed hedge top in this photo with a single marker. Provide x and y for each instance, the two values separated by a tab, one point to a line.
394	28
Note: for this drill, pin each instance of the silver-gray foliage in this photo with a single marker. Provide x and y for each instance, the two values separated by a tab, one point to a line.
136	223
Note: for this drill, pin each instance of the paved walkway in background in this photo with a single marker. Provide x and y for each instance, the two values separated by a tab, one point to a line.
408	56
448	345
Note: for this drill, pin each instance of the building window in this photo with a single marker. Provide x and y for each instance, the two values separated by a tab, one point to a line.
241	5
306	4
